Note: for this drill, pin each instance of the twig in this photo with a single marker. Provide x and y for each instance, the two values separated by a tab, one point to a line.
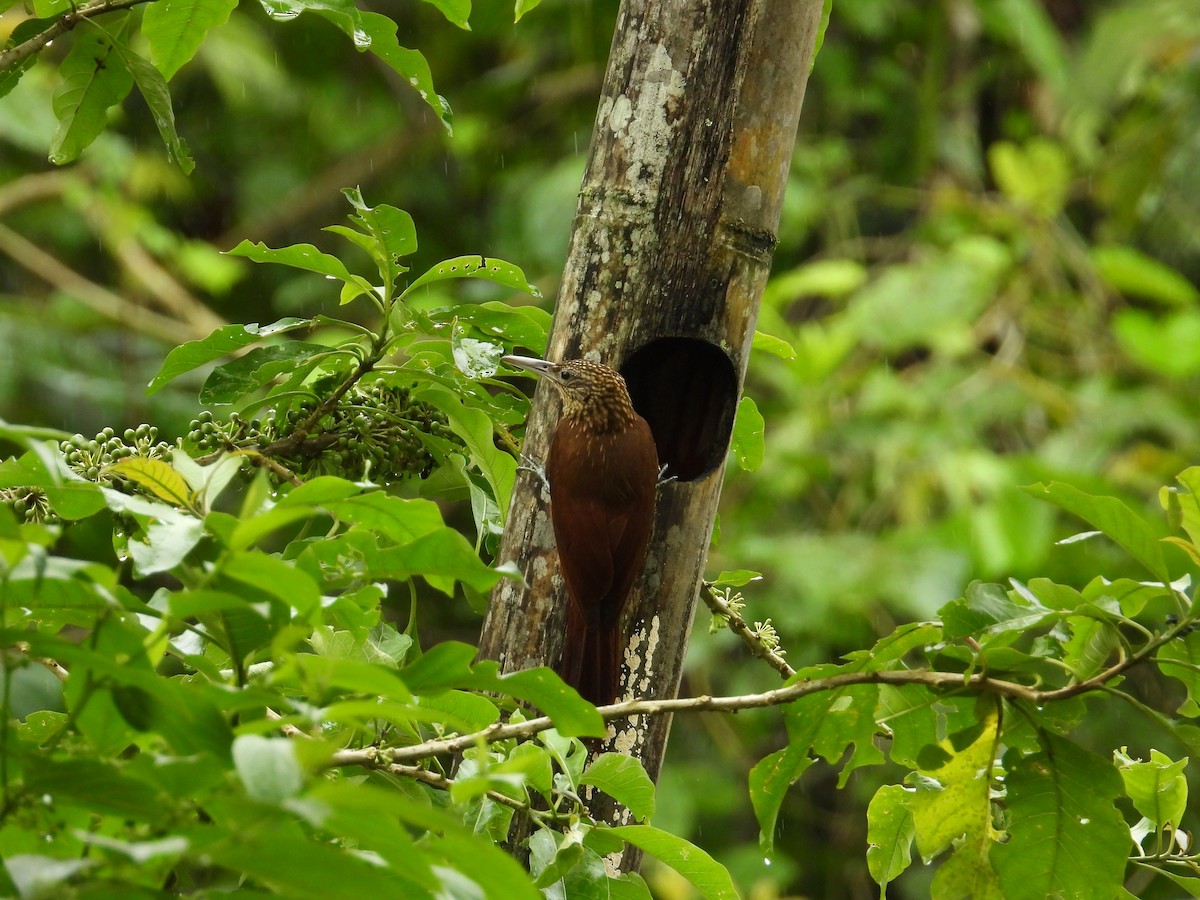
137	261
100	299
31	188
787	694
736	624
288	445
62	25
370	757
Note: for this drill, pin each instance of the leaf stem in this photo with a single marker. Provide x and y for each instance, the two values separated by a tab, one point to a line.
64	23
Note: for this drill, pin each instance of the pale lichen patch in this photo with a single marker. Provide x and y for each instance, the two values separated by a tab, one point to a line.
620	113
649	128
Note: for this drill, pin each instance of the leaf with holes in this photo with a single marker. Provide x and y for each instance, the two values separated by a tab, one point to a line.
494	270
1065	837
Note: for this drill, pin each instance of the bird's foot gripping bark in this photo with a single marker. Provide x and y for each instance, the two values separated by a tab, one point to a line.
663	477
535	468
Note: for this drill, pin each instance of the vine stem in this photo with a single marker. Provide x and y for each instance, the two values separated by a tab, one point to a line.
64	23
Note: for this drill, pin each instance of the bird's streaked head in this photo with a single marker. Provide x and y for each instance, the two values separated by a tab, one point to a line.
592	392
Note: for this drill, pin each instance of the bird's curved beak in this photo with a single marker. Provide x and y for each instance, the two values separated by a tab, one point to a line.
528	363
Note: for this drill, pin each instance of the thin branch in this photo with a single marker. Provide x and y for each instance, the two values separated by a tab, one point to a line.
288	445
736	624
137	261
62	25
370	757
163	286
787	694
628	708
100	299
32	188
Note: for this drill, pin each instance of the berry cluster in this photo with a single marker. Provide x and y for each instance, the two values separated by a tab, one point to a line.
377	430
92	457
29	504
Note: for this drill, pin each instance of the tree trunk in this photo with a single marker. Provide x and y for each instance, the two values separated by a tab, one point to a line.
671	249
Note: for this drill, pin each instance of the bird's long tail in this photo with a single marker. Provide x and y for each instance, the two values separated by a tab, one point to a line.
591	658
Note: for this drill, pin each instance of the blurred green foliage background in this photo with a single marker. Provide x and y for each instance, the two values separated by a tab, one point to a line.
986	268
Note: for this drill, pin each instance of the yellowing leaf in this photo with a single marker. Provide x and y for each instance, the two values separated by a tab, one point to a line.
156	476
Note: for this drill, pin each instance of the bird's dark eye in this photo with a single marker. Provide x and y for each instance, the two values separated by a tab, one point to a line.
566	375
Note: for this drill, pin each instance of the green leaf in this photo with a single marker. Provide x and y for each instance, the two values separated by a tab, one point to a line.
889	834
443	558
1112	517
906	711
1065	837
768	343
1180	659
154	91
387	234
828	723
374	820
268	767
301	256
255	370
71	496
823	278
707	875
456	11
770	780
1188	501
736	578
989	608
747	440
955	287
399	519
448	665
1168	344
93	80
45	9
224	340
96	786
951	807
519	326
495	270
625	780
1091	644
170	534
279	579
409	64
1036	174
175	30
474	358
1132	272
474	426
952	800
278	855
542	687
524	6
33	875
342	13
29	28
1158	788
1027	25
